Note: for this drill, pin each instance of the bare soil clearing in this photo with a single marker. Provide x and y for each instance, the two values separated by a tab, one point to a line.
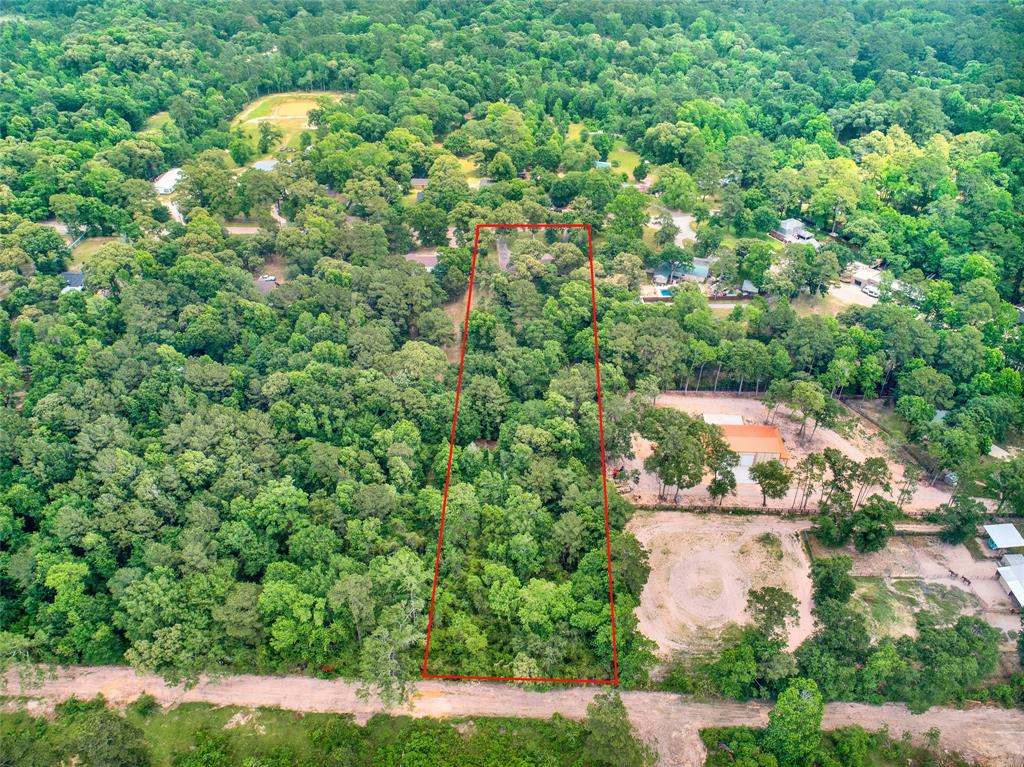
702	567
865	442
923	571
989	735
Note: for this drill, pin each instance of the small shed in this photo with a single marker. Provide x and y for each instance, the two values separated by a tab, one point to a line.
419	183
601	164
867	275
748	288
265	165
791	227
1004	536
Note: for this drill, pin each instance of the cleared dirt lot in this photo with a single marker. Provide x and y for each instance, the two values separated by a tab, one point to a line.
865	442
921	572
703	565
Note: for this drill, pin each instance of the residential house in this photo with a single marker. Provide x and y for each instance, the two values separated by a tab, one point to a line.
793	231
72	281
166	182
753	443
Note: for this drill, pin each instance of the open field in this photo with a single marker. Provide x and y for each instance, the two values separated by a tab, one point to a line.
702	567
470	170
623	158
838	298
574	132
865	442
920	572
88	247
288	111
155	122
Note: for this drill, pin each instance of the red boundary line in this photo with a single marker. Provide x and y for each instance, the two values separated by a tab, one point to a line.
604	479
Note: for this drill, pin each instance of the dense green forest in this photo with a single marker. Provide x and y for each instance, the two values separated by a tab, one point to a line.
195	476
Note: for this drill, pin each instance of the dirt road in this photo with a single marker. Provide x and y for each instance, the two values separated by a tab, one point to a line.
992	736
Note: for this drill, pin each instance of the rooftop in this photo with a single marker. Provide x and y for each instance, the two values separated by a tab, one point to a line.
264	164
755	438
722	419
168	180
1014	577
1004	536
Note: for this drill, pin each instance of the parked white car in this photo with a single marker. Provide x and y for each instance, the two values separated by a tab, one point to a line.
871	290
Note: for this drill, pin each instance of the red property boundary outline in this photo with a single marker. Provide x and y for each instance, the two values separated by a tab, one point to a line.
604	481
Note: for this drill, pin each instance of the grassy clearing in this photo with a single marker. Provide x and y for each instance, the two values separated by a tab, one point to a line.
288	111
649	232
772	544
469	168
575	132
154	123
826	306
89	246
623	158
886	416
732	239
889	606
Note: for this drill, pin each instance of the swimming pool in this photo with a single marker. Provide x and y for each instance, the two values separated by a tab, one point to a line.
664	292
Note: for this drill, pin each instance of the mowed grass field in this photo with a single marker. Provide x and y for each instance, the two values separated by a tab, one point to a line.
88	247
623	158
154	123
288	111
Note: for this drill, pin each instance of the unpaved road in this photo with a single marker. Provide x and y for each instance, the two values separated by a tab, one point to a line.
991	736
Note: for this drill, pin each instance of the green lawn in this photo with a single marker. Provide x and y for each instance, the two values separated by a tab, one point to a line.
575	132
288	111
88	246
154	123
623	158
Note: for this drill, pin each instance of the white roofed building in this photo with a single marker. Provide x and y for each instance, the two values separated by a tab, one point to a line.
724	419
1011	578
1004	536
166	182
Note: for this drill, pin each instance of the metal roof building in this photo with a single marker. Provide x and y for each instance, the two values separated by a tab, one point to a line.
1004	536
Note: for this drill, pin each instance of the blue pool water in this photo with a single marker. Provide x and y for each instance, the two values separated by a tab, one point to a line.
664	292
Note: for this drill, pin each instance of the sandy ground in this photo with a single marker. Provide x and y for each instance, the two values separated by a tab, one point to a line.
702	567
683	221
670	723
172	209
928	560
242	228
864	443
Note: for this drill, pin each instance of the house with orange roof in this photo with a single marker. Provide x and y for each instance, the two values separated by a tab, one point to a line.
753	443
